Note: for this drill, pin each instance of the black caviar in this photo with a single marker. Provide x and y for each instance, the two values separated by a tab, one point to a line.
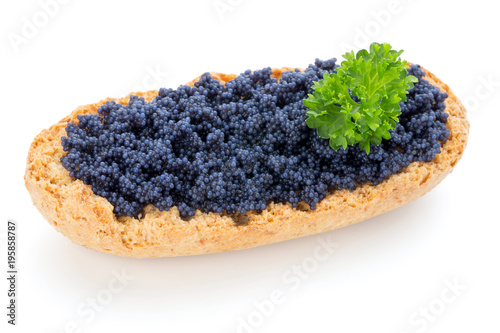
236	147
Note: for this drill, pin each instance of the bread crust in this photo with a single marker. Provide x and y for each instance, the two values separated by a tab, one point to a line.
88	220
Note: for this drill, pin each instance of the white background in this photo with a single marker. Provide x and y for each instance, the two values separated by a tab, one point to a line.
383	272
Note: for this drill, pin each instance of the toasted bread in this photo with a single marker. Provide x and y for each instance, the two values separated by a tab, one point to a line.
88	220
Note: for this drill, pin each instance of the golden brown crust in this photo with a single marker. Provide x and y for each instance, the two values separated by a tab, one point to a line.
88	220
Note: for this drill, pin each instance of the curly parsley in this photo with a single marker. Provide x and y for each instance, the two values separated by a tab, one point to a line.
359	103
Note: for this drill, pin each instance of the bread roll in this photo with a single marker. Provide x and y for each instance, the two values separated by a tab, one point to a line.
88	220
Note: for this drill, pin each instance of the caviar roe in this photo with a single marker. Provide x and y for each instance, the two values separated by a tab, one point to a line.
236	147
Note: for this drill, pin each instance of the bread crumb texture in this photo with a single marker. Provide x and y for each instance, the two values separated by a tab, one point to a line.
88	220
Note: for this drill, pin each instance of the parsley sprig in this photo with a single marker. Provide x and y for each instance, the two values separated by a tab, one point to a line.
359	103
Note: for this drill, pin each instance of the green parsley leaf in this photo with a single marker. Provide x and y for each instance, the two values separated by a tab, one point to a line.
376	78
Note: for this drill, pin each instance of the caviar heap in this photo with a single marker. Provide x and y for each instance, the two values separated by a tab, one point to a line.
236	147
